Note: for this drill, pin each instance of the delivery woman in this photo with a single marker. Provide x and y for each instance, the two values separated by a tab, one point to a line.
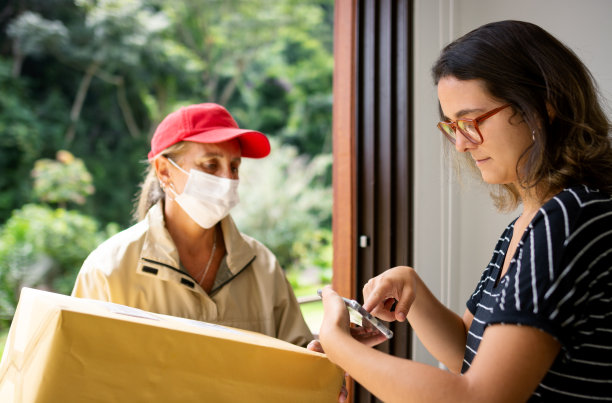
186	257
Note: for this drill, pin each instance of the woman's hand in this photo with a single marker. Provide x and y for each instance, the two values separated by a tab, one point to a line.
368	336
336	324
396	284
336	319
315	345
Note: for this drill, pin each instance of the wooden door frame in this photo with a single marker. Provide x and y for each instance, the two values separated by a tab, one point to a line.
344	178
344	211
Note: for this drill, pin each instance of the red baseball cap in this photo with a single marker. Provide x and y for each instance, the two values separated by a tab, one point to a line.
206	123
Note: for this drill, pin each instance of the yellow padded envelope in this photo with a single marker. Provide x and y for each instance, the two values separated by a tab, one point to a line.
65	349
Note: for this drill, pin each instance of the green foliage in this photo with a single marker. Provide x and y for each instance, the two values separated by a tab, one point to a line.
62	180
35	36
3	337
268	71
314	250
24	136
44	247
290	219
94	77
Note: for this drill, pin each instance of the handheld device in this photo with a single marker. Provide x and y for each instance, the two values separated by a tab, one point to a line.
361	317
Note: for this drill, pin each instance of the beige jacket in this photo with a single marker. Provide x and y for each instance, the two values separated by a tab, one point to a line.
139	267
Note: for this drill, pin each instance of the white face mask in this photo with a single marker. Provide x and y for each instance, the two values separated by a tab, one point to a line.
206	198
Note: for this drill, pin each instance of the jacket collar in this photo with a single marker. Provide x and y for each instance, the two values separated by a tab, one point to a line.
159	247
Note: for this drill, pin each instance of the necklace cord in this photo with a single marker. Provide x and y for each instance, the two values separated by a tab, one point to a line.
210	259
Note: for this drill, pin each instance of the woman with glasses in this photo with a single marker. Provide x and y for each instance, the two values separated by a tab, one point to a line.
185	257
523	111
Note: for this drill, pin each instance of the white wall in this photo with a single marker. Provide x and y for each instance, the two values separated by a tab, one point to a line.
456	227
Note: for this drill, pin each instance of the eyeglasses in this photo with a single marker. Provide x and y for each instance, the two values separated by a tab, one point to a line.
467	127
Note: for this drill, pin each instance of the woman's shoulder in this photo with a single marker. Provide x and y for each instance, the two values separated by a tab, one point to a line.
128	235
576	204
258	247
576	222
579	197
116	246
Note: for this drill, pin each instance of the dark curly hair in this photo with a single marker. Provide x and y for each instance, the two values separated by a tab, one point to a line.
553	91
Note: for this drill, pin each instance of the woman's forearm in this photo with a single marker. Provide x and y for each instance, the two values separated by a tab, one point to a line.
442	331
394	379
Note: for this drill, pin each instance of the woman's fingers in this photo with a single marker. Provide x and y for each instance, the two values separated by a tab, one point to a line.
393	288
369	336
404	302
315	346
375	292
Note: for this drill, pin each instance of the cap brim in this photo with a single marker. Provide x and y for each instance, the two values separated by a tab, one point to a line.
253	144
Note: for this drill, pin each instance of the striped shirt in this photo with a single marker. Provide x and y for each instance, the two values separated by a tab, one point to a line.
560	281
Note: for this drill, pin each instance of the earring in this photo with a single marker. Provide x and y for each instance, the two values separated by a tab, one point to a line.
533	134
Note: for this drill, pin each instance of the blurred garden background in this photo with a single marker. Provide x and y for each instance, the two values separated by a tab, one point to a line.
83	85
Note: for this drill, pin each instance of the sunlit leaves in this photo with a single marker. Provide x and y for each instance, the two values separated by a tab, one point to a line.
284	199
35	35
43	247
62	180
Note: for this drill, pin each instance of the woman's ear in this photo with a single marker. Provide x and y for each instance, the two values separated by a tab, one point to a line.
161	169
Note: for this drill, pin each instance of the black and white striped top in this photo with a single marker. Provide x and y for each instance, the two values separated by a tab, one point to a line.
560	281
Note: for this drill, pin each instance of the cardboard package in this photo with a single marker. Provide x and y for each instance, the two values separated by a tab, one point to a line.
65	349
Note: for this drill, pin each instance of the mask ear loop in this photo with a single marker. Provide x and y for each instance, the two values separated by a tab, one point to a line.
177	166
173	190
170	187
168	190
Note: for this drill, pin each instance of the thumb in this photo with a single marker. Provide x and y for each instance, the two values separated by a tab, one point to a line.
403	304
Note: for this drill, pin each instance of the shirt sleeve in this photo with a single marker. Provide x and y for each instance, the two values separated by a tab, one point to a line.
91	283
291	325
474	299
